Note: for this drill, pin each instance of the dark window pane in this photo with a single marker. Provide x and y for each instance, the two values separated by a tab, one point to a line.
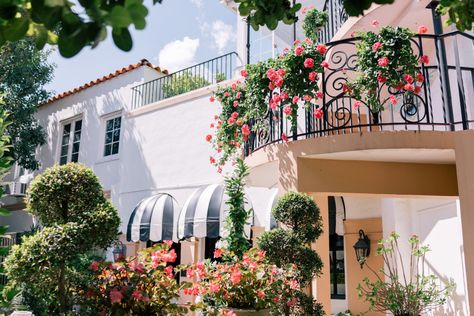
108	137
64	150
67	128
77	136
117	122
116	135
110	125
65	140
108	150
75	147
63	160
75	157
115	148
78	125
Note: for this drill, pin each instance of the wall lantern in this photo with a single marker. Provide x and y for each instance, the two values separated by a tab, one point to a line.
362	248
120	251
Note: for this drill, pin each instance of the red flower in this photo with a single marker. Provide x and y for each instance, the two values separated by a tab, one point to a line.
393	99
308	63
381	79
383	62
212	99
226	94
235	104
375	23
217	253
284	137
245	130
271	86
313	75
169	271
357	104
295	99
115	296
244	73
417	90
422	29
170	256
261	295
94	266
307	97
234	115
296	42
271	74
299	50
287	110
234	86
212	160
420	77
231	121
408	87
279	82
325	64
308	41
190	273
425	59
276	98
321	48
319	95
376	46
236	277
408	78
237	95
284	95
208	137
318	113
281	72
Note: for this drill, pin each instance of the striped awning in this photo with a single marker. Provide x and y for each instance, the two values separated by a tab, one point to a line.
204	214
337	214
263	201
154	219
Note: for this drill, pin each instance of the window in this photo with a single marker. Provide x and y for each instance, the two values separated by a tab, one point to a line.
112	136
70	142
336	250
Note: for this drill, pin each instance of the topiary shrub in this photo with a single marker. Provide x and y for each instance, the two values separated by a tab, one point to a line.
76	218
291	245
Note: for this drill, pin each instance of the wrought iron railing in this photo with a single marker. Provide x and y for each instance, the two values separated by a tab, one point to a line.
445	103
198	76
337	16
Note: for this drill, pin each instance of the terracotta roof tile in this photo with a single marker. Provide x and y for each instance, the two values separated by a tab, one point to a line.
119	72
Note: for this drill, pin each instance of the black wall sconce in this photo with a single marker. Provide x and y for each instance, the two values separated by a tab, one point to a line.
362	248
119	252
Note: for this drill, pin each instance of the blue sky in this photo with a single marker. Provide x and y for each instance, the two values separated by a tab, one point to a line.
179	33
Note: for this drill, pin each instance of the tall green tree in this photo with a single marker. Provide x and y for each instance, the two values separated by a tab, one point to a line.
24	71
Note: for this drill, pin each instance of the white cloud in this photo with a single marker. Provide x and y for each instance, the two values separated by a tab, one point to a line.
222	35
178	54
197	3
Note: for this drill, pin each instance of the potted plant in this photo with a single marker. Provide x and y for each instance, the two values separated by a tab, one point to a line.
404	291
313	22
247	286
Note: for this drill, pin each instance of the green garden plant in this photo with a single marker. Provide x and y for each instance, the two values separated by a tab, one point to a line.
313	21
301	218
404	289
76	218
183	83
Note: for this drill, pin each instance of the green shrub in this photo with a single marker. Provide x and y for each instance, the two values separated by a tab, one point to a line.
76	219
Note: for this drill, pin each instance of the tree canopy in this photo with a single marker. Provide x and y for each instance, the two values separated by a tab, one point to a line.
74	26
24	71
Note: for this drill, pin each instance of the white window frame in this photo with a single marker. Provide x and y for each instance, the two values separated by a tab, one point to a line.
63	124
104	119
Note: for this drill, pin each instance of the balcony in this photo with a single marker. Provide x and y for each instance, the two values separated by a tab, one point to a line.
337	17
185	80
446	101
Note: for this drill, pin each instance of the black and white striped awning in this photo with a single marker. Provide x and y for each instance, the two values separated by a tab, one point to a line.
204	213
263	201
154	219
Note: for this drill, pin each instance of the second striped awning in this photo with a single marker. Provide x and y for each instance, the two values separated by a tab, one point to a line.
204	214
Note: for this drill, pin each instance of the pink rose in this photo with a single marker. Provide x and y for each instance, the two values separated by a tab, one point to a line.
234	86
376	46
236	277
319	95
357	105
381	79
271	86
284	95
169	271
295	99
238	95
281	72
313	75
279	82
284	137
408	87
425	59
308	41
383	62
208	137
271	74
115	296
276	98
393	99
170	256
234	115
214	287
321	48
422	29
261	294
325	64
212	160
168	242
212	99
318	113
226	94
190	273
94	266
308	63
231	121
299	50
244	73
287	110
417	90
420	77
408	78
374	23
